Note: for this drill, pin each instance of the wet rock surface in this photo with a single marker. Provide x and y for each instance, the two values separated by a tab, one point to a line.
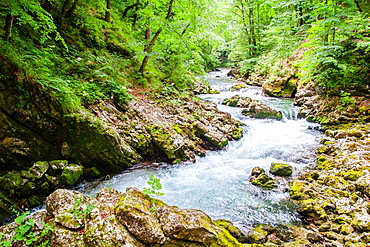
253	108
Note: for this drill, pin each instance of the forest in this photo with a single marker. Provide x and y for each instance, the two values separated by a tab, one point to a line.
90	88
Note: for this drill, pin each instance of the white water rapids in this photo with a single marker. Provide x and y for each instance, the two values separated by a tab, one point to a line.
218	184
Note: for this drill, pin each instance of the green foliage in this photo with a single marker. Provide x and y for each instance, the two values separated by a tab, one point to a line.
79	211
154	185
24	233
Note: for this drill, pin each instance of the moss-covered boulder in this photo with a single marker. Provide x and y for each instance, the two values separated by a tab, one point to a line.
259	234
281	169
6	204
261	111
238	87
285	87
237	101
71	174
136	212
132	218
260	179
11	181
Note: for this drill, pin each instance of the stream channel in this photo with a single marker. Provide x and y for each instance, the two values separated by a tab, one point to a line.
218	184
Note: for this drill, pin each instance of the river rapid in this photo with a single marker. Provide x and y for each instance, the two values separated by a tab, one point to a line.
218	184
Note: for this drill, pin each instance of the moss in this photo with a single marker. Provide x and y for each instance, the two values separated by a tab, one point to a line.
11	181
264	181
71	174
238	87
351	175
298	190
281	169
268	115
237	134
6	206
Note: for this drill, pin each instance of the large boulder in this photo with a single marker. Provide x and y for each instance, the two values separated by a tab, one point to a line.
127	219
237	101
285	87
261	111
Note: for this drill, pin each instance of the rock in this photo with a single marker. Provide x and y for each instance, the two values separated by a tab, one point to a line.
71	174
136	212
65	238
260	179
234	231
6	204
361	222
314	237
237	101
93	172
11	181
261	111
285	87
63	200
186	224
58	164
238	87
36	171
258	235
281	169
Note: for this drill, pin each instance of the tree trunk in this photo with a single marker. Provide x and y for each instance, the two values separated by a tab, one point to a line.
8	26
150	45
65	7
128	8
107	12
148	49
358	6
47	6
72	9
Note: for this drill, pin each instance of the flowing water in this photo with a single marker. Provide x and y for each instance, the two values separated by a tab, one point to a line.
218	184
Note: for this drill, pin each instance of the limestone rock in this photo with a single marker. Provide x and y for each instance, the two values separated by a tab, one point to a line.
285	87
238	87
135	212
281	169
63	200
237	101
261	111
258	235
36	171
260	179
11	181
186	224
71	174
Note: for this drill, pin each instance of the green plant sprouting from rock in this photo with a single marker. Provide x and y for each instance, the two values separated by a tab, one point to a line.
154	186
24	232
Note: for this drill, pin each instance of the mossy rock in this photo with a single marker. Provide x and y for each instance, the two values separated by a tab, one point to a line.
11	181
93	172
233	230
71	174
28	189
6	204
260	179
237	134
238	87
281	169
259	234
58	164
36	171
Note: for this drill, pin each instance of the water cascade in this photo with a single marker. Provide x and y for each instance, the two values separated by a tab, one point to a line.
219	183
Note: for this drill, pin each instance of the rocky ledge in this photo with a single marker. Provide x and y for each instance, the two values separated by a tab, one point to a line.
127	219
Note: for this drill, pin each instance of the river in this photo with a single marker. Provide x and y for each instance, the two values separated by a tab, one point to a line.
218	184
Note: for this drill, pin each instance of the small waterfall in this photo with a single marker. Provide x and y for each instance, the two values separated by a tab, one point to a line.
219	183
